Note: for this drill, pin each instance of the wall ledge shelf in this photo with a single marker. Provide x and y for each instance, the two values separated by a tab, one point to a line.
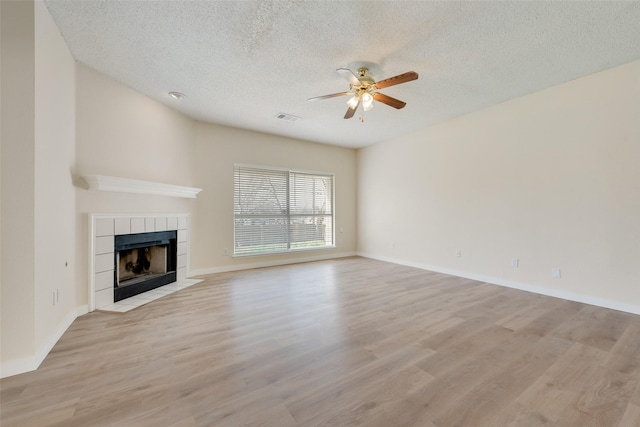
126	185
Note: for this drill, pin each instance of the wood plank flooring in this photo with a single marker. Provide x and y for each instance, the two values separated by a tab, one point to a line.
338	343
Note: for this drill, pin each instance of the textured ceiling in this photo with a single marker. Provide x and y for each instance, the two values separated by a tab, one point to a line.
241	63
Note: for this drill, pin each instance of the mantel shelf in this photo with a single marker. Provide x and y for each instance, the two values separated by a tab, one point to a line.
126	185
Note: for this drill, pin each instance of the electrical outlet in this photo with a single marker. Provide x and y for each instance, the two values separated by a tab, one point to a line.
225	252
54	298
458	253
555	272
515	262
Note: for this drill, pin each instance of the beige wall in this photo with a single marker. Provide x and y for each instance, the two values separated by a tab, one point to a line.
38	198
552	178
123	133
18	186
218	148
54	261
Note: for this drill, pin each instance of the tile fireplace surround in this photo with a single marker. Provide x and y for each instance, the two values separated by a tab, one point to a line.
103	228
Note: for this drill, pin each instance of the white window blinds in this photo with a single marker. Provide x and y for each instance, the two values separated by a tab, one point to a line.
279	210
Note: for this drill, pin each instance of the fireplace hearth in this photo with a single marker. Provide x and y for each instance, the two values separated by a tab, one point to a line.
144	261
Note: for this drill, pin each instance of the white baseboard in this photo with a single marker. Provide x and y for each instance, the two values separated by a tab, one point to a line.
271	263
571	296
15	367
27	364
83	309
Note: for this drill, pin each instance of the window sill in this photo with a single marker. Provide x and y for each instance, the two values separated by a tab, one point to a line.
289	251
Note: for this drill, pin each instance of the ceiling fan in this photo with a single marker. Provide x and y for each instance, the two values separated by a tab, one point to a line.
364	90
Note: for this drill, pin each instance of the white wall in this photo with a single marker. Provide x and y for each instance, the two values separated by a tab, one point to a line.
552	178
218	148
123	133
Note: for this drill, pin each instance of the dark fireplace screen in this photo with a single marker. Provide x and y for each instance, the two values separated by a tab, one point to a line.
143	262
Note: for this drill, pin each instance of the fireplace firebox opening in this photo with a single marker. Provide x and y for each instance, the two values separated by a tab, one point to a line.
143	262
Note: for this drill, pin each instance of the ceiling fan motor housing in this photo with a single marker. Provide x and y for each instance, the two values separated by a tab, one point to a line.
365	81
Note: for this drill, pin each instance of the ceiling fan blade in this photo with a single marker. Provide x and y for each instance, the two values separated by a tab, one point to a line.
392	102
333	95
352	111
348	74
396	80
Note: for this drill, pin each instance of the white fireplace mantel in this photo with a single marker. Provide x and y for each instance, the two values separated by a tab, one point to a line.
126	185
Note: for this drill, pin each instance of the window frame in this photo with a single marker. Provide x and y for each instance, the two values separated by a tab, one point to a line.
288	215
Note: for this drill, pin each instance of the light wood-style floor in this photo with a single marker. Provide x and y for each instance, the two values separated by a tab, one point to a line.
338	343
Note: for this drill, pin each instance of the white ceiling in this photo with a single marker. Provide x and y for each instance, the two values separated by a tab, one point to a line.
241	63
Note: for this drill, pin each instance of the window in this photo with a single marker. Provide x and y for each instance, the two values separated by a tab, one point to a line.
280	210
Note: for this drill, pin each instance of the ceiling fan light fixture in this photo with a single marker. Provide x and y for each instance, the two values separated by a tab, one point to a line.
353	101
367	101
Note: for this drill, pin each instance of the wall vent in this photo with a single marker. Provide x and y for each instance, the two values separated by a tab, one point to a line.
287	117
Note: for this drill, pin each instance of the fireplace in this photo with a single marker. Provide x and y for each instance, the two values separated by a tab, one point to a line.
143	261
103	231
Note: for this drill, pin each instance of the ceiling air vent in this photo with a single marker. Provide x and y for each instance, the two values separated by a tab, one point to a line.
287	117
